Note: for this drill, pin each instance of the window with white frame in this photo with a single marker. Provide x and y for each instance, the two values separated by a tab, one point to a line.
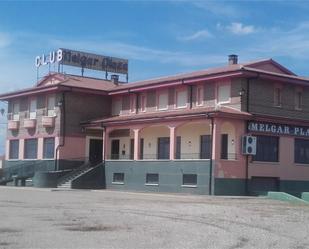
31	148
181	98
224	93
51	104
116	108
15	111
14	149
48	148
162	100
132	103
32	109
143	102
199	96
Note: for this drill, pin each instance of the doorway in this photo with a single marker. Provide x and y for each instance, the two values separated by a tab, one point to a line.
95	151
115	149
163	148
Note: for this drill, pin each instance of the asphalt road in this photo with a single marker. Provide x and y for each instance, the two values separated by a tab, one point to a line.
41	218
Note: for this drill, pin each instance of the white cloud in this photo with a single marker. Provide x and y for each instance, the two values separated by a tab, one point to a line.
217	7
199	35
239	28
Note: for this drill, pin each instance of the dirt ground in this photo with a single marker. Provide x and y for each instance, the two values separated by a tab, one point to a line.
43	218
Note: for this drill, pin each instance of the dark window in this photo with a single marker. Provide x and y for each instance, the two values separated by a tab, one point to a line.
131	149
31	148
205	147
118	177
267	149
152	178
178	147
49	147
301	151
14	149
189	179
141	148
163	148
115	149
224	146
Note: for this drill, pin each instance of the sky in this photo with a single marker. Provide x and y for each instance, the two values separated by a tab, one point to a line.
157	37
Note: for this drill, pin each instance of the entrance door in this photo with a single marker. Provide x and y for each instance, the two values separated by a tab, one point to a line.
95	151
115	149
163	148
205	148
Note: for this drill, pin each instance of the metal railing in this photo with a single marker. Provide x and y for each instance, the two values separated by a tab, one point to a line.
229	156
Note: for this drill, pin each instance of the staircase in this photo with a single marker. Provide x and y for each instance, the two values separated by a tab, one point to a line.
65	181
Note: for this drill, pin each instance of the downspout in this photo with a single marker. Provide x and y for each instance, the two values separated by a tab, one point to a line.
191	96
62	130
248	111
211	190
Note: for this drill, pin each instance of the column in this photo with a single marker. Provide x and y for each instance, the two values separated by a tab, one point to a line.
106	142
103	145
40	148
21	149
216	141
172	142
136	143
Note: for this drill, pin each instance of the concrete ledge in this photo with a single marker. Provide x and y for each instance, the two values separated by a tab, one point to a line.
282	196
305	196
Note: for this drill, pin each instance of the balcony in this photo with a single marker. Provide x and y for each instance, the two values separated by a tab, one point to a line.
13	125
48	121
29	123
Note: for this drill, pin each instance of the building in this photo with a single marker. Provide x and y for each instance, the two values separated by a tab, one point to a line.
181	133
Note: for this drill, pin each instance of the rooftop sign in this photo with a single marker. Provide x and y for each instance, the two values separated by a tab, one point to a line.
83	60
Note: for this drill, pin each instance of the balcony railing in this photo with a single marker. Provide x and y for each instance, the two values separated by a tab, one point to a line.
29	123
48	121
13	124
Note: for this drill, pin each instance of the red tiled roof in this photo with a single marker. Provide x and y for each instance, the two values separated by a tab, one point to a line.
168	114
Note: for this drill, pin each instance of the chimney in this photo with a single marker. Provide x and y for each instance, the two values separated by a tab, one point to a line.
233	59
115	78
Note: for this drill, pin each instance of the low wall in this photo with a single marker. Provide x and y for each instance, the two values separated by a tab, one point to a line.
170	175
93	179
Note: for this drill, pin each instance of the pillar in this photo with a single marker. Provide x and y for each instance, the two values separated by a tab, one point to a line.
103	145
136	144
172	142
216	141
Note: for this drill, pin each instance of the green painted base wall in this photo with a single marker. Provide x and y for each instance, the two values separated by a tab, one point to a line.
294	187
226	186
170	175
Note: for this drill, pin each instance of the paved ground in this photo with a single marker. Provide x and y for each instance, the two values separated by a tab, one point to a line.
41	218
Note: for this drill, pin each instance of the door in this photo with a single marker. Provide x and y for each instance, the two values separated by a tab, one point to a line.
115	149
95	151
163	148
205	147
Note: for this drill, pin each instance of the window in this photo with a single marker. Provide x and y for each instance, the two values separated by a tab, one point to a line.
199	96
51	103
301	151
32	109
178	147
48	148
181	99
143	103
118	178
277	97
298	100
14	149
189	179
224	93
163	148
116	107
267	149
162	101
132	103
15	111
31	148
224	146
205	147
152	179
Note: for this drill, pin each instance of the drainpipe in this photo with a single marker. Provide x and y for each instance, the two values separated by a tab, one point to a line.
247	110
191	96
62	130
211	190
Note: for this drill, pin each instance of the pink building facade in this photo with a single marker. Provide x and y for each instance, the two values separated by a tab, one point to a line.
181	133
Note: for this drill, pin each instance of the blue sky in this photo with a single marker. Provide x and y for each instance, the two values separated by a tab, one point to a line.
158	37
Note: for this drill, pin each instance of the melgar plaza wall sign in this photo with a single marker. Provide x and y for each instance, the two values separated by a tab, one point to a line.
83	60
278	129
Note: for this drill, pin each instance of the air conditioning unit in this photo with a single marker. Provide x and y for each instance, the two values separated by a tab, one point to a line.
249	145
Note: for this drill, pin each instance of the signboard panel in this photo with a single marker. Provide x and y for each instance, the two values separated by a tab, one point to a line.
278	129
94	61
